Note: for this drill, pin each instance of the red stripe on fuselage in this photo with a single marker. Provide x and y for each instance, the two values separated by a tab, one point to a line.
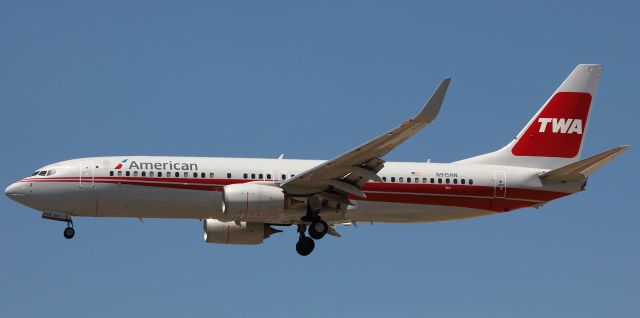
470	196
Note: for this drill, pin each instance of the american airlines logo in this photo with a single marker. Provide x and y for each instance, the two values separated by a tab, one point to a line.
120	164
167	165
561	125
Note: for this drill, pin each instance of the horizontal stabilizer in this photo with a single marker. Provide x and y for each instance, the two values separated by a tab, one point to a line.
581	169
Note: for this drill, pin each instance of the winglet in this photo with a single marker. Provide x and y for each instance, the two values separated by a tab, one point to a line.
431	109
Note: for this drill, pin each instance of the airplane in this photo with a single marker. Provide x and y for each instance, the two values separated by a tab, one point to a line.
243	200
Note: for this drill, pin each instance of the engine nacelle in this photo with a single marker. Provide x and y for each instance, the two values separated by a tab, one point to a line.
251	200
236	233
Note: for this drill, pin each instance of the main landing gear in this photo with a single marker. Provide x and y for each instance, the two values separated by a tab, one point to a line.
317	230
305	244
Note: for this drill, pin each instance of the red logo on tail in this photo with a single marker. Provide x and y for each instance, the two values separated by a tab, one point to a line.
558	129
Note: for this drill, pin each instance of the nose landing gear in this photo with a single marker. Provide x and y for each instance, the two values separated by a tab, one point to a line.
69	232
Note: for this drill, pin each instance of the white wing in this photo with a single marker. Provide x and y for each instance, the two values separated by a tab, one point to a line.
344	175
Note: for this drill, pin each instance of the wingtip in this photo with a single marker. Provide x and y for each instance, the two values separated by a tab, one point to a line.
432	107
445	82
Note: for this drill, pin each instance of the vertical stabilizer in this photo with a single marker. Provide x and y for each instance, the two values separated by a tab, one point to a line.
554	136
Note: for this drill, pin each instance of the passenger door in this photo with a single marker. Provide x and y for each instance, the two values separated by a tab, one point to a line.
499	184
86	174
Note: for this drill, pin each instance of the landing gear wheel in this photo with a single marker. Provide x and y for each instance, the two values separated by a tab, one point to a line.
69	232
318	229
305	246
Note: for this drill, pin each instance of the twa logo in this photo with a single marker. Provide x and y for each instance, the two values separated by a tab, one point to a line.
561	125
558	129
120	164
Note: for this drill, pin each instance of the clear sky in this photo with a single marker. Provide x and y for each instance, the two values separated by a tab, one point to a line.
311	80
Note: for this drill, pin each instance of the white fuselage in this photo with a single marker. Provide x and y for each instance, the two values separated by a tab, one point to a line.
191	188
242	199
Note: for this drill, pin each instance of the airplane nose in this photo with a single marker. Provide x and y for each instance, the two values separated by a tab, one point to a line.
13	190
19	192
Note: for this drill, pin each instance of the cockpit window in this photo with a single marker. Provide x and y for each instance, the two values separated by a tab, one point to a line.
43	173
35	173
51	172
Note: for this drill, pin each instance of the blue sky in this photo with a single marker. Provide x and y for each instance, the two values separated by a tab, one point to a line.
311	80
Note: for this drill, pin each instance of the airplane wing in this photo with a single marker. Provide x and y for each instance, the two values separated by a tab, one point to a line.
344	175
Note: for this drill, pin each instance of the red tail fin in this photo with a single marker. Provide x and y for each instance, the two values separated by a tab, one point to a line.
558	129
554	136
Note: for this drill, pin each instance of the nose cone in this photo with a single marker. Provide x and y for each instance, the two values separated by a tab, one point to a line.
11	189
14	192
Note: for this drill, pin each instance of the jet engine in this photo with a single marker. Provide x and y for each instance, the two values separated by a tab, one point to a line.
251	200
236	233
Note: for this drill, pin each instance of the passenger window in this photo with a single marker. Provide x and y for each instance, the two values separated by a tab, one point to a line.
470	181
401	180
228	175
462	181
246	176
284	176
177	174
186	175
424	180
151	174
433	180
159	173
393	179
211	175
384	179
417	180
195	174
408	180
268	176
439	180
111	173
135	173
260	176
143	173
455	181
447	180
253	176
128	173
120	173
293	175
